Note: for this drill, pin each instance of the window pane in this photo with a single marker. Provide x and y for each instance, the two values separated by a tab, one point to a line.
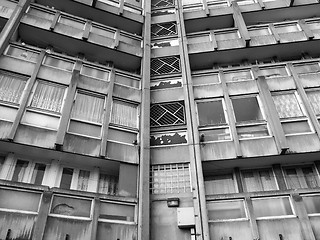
66	178
226	210
218	134
113	211
235	76
163	114
125	114
11	87
211	113
58	63
108	184
11	199
307	68
287	105
312	204
241	106
22	53
205	79
274	72
84	128
95	72
259	180
19	170
252	131
38	173
271	207
88	108
83	180
292	178
170	178
223	183
295	127
71	206
310	177
48	97
314	98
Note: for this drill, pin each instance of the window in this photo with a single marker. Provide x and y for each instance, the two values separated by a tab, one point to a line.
87	115
108	184
163	29
271	207
98	73
204	79
161	3
38	173
170	178
239	75
115	211
165	65
212	121
314	99
312	203
272	72
226	210
48	97
219	184
66	178
58	63
259	180
249	123
19	170
68	206
83	180
11	87
301	177
22	53
11	199
164	114
124	114
307	68
292	115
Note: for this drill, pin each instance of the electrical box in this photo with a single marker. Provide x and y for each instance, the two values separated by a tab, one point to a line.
185	217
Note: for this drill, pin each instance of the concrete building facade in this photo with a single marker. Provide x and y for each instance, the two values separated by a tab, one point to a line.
161	119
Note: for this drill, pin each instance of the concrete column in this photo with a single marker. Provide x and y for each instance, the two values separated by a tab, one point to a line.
12	24
41	221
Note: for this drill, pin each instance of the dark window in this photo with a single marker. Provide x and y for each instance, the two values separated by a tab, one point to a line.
66	178
211	113
246	109
38	173
19	170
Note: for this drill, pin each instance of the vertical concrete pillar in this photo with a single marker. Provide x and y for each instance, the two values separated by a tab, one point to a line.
44	210
12	24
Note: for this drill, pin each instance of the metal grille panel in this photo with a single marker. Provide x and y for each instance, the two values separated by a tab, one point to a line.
170	178
164	29
167	114
161	3
165	65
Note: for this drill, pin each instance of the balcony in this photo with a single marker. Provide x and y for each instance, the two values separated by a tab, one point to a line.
125	15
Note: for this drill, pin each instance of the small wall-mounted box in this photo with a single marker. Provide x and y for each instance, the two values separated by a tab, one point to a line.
185	217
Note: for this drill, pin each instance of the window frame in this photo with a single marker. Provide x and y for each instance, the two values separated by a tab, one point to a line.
233	179
252	123
300	175
120	221
304	118
245	208
101	125
294	215
310	195
71	217
258	178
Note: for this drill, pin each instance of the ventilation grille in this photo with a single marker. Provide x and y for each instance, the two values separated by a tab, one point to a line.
162	3
167	114
165	65
163	29
170	178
